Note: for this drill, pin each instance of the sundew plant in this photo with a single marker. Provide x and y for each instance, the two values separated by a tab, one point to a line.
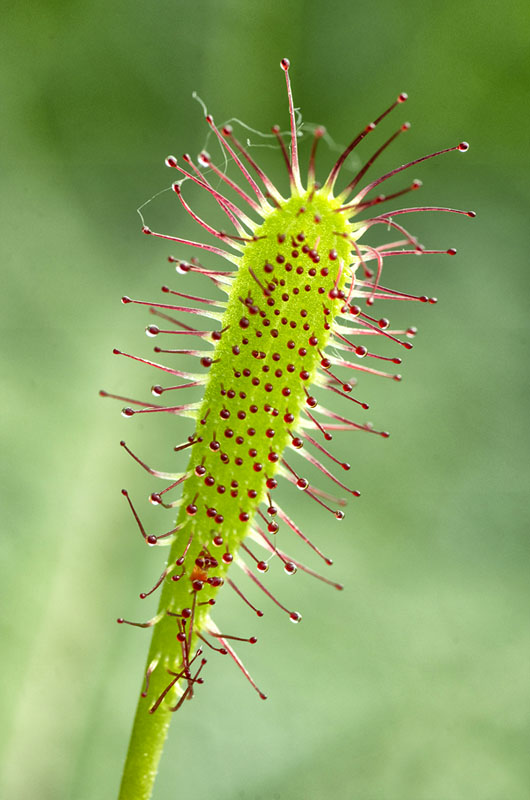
290	325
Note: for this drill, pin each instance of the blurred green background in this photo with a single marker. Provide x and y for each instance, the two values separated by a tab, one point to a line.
414	683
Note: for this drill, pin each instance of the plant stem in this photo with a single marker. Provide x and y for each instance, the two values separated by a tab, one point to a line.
149	730
145	749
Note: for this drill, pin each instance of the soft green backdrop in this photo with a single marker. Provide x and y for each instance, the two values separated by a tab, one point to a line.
414	683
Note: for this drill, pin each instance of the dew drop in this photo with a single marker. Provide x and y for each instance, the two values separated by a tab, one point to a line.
295	616
182	267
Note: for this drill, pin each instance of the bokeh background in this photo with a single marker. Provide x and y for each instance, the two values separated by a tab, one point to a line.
413	684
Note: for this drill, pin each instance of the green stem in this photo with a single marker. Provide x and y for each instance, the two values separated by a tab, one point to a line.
150	729
145	749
